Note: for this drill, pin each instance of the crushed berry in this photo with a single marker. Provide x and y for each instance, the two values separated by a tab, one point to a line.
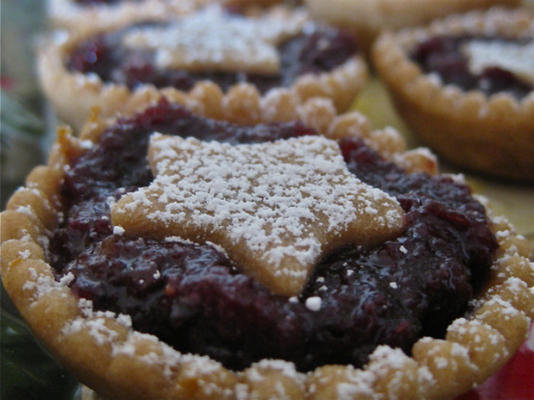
314	51
443	55
196	299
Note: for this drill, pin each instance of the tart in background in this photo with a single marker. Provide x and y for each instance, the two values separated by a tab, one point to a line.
279	56
465	86
367	18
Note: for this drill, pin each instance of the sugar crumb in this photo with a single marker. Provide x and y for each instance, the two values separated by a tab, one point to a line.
313	303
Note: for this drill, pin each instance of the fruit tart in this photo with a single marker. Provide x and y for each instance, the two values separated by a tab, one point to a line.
367	18
167	254
465	85
274	55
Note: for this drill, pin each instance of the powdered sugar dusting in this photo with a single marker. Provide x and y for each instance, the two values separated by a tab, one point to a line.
260	371
27	210
96	328
41	284
67	279
513	57
354	384
287	368
118	230
393	358
313	303
213	39
24	254
275	207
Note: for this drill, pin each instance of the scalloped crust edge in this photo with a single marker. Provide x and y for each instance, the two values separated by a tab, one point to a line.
105	353
74	94
493	135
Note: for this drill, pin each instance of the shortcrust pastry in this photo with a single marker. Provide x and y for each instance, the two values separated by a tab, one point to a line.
85	14
278	56
81	15
465	85
367	18
137	312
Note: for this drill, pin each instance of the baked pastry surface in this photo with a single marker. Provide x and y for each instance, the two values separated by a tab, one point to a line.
81	15
367	18
477	114
121	362
280	57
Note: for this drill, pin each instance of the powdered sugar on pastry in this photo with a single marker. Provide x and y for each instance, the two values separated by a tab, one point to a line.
513	57
275	207
214	40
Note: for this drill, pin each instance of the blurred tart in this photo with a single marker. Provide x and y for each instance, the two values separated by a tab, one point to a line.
81	15
367	18
217	260
465	85
275	56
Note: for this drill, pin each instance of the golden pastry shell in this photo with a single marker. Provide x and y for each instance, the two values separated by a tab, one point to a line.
67	14
107	354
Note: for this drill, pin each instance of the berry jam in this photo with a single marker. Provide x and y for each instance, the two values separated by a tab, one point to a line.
196	299
443	55
318	50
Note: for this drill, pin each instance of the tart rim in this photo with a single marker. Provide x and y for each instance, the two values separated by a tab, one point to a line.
84	339
69	15
72	91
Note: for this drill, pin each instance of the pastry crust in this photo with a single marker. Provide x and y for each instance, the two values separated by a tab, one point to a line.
367	18
74	94
105	352
69	15
493	135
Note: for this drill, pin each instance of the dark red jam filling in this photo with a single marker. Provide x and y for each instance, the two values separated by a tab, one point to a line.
443	55
197	300
318	50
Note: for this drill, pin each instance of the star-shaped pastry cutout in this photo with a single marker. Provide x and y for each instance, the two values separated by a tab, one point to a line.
517	58
276	208
213	39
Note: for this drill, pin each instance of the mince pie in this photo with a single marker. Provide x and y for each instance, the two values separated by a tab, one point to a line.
465	85
367	18
171	255
276	56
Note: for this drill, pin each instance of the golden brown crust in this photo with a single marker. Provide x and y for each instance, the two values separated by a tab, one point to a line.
493	135
68	15
367	18
74	94
105	352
